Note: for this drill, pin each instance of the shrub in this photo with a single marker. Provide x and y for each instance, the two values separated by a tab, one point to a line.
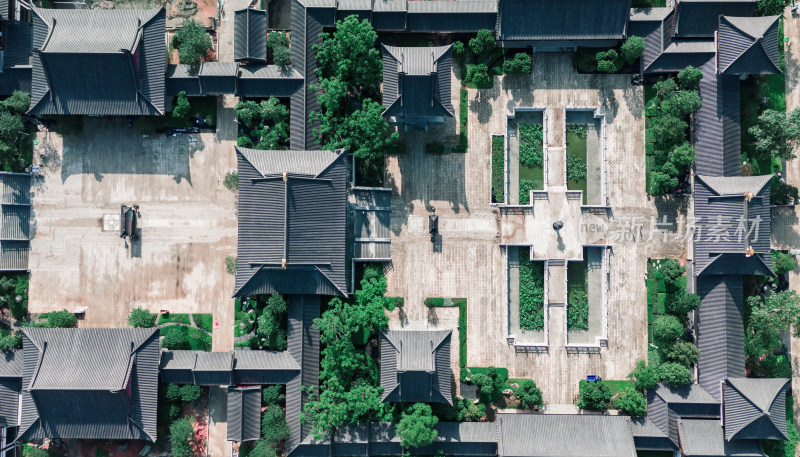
773	366
594	395
10	342
483	382
230	264
662	183
578	311
483	42
632	49
192	42
141	318
478	75
528	394
631	402
279	43
682	352
61	319
175	341
667	329
262	449
190	393
783	262
37	453
682	303
606	66
531	293
274	428
671	270
531	143
173	392
458	48
781	193
520	64
689	78
668	131
576	168
498	168
643	376
417	426
181	435
181	109
674	374
273	395
682	157
231	180
682	103
585	60
18	103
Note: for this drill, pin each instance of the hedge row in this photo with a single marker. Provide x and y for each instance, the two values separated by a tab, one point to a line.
531	292
498	168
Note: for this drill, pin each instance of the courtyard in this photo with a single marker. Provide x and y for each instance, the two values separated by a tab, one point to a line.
188	224
467	259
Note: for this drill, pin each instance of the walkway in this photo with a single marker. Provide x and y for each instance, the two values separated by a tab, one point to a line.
785	226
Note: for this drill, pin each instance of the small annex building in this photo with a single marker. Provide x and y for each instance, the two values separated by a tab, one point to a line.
86	383
415	366
416	84
98	62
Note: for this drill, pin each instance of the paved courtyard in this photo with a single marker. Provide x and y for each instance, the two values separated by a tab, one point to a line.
467	260
188	225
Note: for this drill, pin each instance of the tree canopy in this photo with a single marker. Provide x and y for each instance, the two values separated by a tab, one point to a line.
350	54
267	121
689	78
776	134
141	318
417	426
631	402
528	394
594	395
768	319
632	48
674	374
667	329
644	376
192	42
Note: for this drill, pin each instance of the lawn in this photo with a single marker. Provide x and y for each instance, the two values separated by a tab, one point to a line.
173	317
198	339
531	292
463	113
576	150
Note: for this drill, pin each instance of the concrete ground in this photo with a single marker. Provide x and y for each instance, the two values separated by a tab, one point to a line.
467	260
785	222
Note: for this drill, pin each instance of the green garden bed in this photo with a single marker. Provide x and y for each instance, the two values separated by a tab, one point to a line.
531	160
198	340
531	292
463	117
576	156
173	317
578	304
461	303
395	301
498	169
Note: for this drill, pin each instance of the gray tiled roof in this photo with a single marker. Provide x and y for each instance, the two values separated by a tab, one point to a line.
110	395
720	331
748	45
87	62
554	435
18	44
727	223
717	125
755	409
11	364
647	436
417	81
268	80
704	438
244	413
304	347
250	37
15	214
563	20
302	220
9	401
264	367
698	18
197	367
665	405
415	366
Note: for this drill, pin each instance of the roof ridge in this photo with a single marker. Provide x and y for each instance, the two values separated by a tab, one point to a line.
237	290
331	281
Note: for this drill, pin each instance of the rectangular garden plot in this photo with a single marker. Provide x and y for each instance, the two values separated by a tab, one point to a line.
586	298
585	155
526	301
526	164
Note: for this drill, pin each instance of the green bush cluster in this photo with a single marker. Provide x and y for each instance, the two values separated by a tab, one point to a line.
478	75
278	43
181	433
525	188
141	318
417	426
268	316
577	311
765	319
14	293
531	292
675	100
594	395
231	181
16	134
178	337
498	168
589	60
9	343
576	168
783	262
192	42
267	125
528	394
531	145
520	64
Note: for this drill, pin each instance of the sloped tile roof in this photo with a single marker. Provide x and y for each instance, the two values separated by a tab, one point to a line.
563	20
244	413
415	366
250	35
417	81
748	45
704	438
755	409
698	18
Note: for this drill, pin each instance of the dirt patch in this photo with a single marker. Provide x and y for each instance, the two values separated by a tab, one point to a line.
200	10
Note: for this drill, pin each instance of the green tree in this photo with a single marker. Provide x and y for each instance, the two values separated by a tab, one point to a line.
478	75
662	183
644	376
175	341
192	42
689	78
771	7
182	437
190	393
458	48
10	342
667	329
769	318
681	103
141	318
18	102
668	130
594	395
682	352
483	383
271	323
520	64
11	126
278	42
273	395
665	87
682	157
417	426
528	394
682	303
350	54
783	262
182	107
274	428
483	42
262	449
674	374
61	319
632	49
37	453
631	402
173	392
606	66
671	270
776	134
